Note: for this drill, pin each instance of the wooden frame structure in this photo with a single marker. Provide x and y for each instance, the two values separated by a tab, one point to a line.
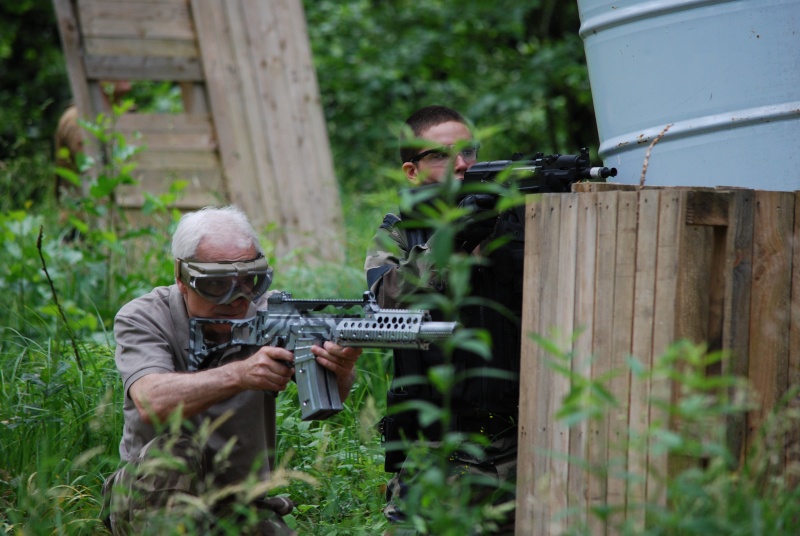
630	271
252	131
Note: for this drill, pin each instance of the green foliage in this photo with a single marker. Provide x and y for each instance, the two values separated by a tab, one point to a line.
516	65
33	93
708	490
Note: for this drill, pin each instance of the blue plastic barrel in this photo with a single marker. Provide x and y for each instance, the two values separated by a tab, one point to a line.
722	77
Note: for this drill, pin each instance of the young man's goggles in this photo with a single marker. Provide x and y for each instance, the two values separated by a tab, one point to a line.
224	282
443	155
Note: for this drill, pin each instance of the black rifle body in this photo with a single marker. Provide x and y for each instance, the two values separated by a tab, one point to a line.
540	173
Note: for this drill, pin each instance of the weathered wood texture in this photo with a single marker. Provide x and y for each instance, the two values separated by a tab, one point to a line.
614	271
252	130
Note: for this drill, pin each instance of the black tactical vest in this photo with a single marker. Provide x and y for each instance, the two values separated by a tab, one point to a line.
481	403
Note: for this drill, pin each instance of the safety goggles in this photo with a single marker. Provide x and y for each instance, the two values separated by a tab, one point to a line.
443	155
224	282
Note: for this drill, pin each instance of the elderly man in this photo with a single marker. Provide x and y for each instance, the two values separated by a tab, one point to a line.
220	273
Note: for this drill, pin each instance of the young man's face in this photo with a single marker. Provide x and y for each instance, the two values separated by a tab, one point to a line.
432	167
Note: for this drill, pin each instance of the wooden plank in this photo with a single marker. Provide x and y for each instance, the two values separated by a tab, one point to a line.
177	160
621	343
305	100
642	349
222	79
533	375
71	44
793	437
143	68
167	141
708	208
166	123
736	321
672	215
692	314
580	187
602	338
156	48
694	283
130	197
310	111
199	179
546	403
566	254
168	132
720	285
585	277
769	306
271	53
134	19
280	58
205	187
269	161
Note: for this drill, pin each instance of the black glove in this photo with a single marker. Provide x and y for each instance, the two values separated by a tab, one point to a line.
478	224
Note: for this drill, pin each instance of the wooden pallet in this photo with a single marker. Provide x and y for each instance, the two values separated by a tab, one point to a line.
251	132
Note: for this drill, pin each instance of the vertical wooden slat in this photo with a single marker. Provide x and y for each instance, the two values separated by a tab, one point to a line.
222	82
561	334
621	337
69	31
299	178
672	208
545	411
248	47
307	99
602	337
736	325
769	305
641	349
585	277
251	52
692	304
256	41
793	439
303	110
532	377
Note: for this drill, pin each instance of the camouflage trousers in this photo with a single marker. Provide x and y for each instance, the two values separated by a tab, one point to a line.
494	475
161	487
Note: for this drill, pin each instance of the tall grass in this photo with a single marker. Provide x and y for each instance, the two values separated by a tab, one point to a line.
60	395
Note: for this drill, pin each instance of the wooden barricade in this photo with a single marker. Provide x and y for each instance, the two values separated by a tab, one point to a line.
627	271
251	131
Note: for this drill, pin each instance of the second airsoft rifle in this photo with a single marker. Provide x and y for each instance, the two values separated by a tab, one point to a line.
297	324
540	173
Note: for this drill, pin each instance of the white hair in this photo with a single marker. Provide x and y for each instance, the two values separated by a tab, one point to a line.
227	223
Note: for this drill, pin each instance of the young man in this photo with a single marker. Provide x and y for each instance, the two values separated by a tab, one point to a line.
396	266
221	273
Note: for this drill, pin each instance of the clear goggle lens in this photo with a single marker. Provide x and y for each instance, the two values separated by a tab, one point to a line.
224	282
